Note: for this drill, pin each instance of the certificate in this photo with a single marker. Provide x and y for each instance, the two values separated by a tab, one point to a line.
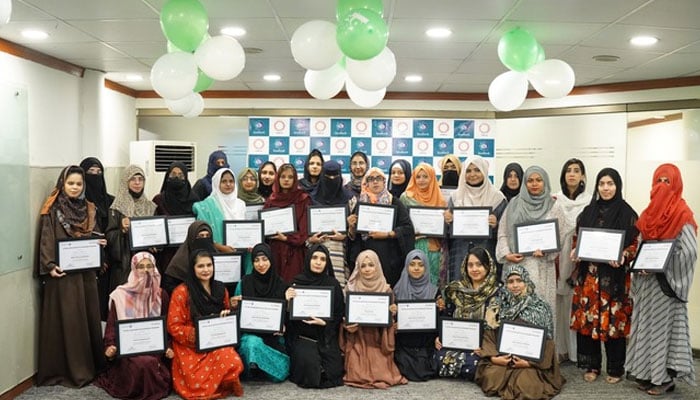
428	221
243	234
460	334
600	245
214	332
261	315
140	336
177	229
147	232
327	219
227	267
375	217
541	235
281	220
252	211
312	301
653	255
471	222
368	309
416	315
79	254
526	341
447	191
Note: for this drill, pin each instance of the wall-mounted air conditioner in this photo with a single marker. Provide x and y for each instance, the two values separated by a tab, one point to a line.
155	156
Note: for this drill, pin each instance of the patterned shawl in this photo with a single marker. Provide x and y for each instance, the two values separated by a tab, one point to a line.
528	306
125	203
140	296
77	216
471	303
366	196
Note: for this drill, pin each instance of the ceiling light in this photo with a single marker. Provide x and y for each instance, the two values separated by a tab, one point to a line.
34	34
438	33
272	77
235	31
606	58
133	77
413	78
643	40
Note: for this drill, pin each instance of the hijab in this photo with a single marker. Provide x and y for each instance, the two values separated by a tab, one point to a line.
265	190
529	208
356	182
528	306
508	192
330	190
203	303
470	302
310	278
483	195
230	205
140	296
177	193
77	216
96	189
306	183
179	264
252	197
136	204
430	196
212	168
268	285
374	284
397	190
409	288
450	178
366	195
295	195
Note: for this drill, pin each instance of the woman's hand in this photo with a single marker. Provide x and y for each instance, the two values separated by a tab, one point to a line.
538	253
352	220
352	328
440	302
448	216
280	236
514	257
438	343
517	362
125	224
224	312
336	236
393	309
502	360
492	220
314	321
57	272
234	301
169	353
316	238
572	256
111	351
290	293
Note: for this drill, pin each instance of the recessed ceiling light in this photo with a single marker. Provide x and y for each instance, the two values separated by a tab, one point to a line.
235	31
606	58
644	40
34	34
133	77
438	33
413	78
272	77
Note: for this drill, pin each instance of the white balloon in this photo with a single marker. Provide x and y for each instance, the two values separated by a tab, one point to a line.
197	106
6	11
174	75
373	74
220	57
362	97
508	91
181	106
552	78
314	46
325	84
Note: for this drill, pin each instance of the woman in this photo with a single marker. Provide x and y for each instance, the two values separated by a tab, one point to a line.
315	354
141	377
423	191
474	190
601	306
358	168
70	337
264	355
210	374
392	246
288	249
474	297
199	237
450	167
512	180
266	174
202	188
130	202
414	353
659	347
510	376
400	173
222	204
369	351
312	171
248	187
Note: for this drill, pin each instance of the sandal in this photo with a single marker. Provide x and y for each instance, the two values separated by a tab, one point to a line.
644	385
591	375
661	389
613	379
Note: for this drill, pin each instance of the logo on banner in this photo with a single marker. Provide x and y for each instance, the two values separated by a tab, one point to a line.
259	126
464	128
381	127
443	147
402	147
418	160
344	162
340	126
300	127
298	162
255	161
423	128
279	145
484	147
361	144
382	162
323	144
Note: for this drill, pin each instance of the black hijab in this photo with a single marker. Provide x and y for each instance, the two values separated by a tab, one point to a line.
265	190
306	182
176	193
96	190
330	190
268	285
397	190
201	302
178	266
508	192
310	278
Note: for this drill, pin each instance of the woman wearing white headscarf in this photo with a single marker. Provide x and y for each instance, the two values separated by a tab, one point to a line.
222	204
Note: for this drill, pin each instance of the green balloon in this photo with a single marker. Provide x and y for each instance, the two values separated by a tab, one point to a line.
184	23
519	50
540	53
345	6
204	82
172	48
361	34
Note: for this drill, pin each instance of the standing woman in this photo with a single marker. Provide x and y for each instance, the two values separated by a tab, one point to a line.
202	188
70	335
399	175
359	163
312	171
266	174
601	306
512	180
222	204
659	348
248	187
450	167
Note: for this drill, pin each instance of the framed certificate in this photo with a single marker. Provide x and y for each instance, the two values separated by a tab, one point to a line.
243	234
227	267
326	219
177	229
375	217
79	254
653	255
428	221
147	232
447	192
368	309
470	222
261	315
541	235
600	245
416	316
312	301
214	332
460	334
140	336
281	220
252	211
525	341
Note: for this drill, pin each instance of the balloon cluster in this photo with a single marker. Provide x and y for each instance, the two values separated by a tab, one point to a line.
5	11
351	53
194	59
523	55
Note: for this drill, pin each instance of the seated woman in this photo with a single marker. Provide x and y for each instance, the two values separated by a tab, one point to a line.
314	352
510	376
202	375
143	376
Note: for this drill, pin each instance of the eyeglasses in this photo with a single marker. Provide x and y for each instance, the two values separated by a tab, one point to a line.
371	179
137	178
143	267
248	178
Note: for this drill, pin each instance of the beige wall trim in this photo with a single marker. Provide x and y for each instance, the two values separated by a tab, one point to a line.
275	112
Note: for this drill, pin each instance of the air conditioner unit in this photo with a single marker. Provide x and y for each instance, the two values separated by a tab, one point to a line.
155	156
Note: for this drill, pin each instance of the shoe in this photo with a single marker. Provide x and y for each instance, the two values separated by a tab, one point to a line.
591	375
661	389
644	385
613	379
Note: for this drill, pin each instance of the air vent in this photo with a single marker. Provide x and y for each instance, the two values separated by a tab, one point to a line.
166	154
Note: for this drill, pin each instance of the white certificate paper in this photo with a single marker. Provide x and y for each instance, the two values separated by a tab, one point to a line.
542	235
471	222
251	212
375	218
369	309
243	234
215	332
416	315
227	267
600	245
428	221
521	340
79	254
177	229
261	315
327	219
312	302
281	220
653	256
460	334
140	336
148	232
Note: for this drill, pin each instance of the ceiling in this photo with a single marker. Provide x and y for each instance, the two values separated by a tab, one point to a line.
124	36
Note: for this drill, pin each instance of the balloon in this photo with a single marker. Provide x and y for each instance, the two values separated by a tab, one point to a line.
174	75
220	57
172	48
373	74
314	47
5	11
518	50
540	53
362	34
507	92
203	82
197	106
344	7
184	22
364	98
325	84
552	78
180	106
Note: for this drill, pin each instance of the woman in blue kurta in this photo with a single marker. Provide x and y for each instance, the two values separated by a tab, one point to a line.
222	204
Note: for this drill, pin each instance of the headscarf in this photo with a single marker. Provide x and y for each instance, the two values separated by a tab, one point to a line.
265	190
356	182
203	303
180	262
77	216
366	195
330	191
409	288
375	284
484	195
310	278
455	160
469	302
295	195
230	205
528	306
430	196
212	168
562	178
140	296
136	205
176	193
397	190
252	197
306	182
528	208
96	188
268	285
508	192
